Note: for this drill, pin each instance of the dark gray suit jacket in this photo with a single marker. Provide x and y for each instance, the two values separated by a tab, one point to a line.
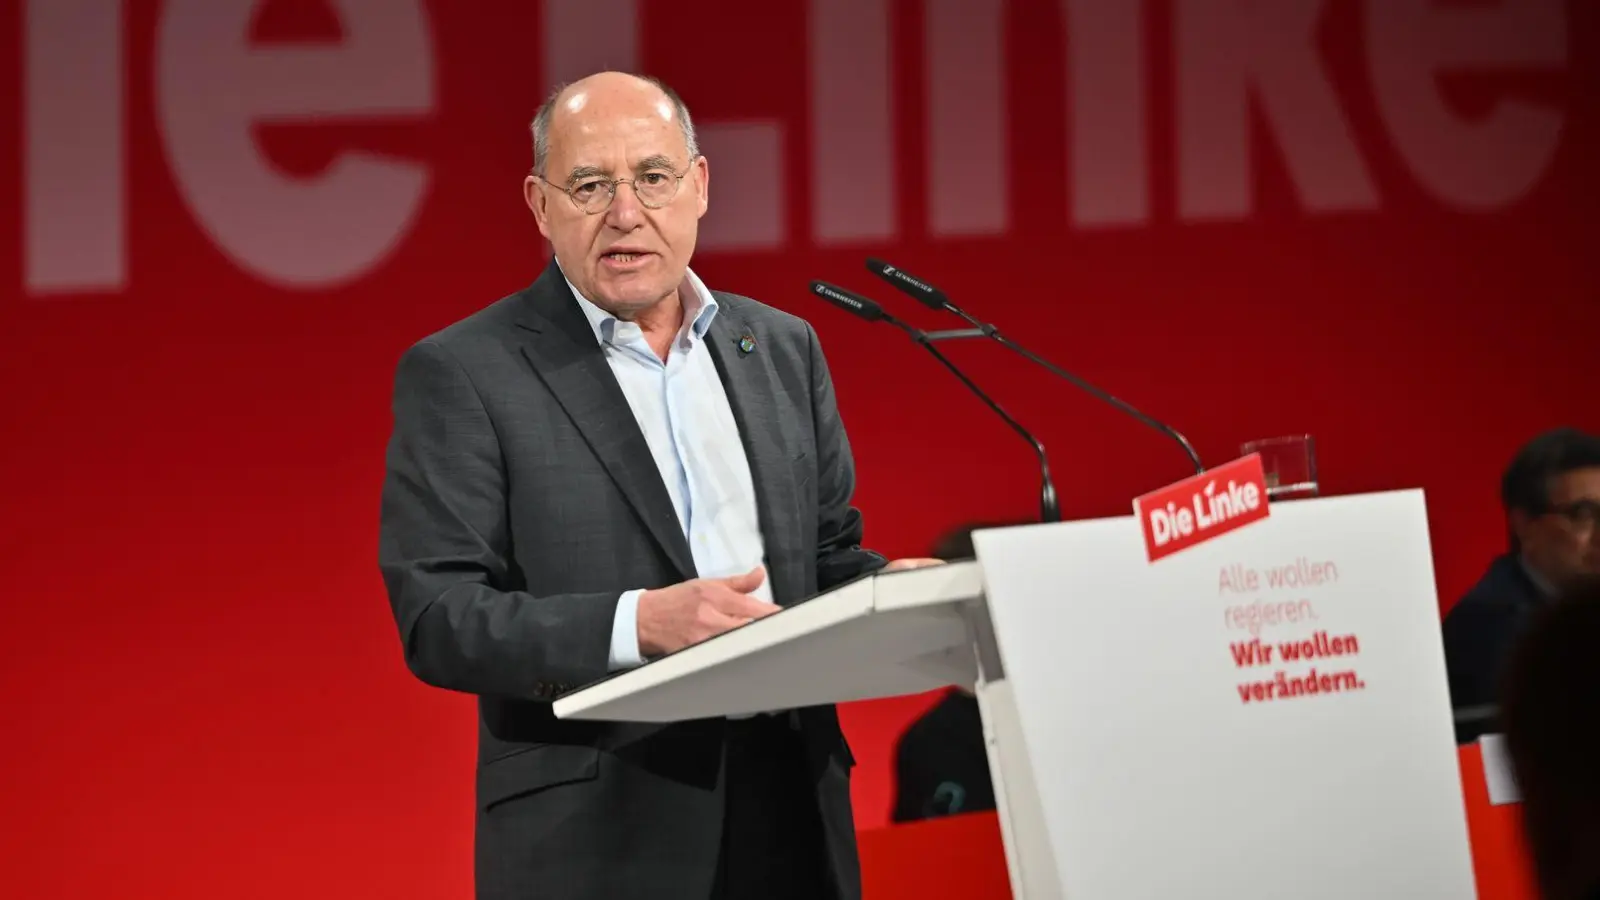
520	501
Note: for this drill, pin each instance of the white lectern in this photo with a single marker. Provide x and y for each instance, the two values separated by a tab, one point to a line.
1147	736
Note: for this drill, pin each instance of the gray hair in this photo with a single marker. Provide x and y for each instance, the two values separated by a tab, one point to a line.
541	122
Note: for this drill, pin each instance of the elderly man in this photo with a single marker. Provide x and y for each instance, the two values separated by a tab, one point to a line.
603	468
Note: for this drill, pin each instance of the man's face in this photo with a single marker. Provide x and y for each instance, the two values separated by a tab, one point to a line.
1563	543
629	257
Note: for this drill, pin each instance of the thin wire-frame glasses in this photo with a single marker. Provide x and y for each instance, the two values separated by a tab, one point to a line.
655	188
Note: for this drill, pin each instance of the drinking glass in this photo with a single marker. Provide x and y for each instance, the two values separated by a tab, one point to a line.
1290	464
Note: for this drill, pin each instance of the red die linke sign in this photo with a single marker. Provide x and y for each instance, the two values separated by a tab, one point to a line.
1202	507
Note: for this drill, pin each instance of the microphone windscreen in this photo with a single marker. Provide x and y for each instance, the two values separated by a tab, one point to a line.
919	290
848	301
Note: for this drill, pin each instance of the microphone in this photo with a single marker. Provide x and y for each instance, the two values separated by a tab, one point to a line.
932	297
856	305
861	307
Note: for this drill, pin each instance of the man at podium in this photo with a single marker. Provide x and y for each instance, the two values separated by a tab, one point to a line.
603	468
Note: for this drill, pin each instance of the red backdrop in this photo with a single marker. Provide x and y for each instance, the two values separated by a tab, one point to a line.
225	219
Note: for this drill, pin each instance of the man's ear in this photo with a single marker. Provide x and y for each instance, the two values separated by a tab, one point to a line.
702	175
538	201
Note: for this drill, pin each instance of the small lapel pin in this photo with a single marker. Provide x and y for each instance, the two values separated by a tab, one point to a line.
747	345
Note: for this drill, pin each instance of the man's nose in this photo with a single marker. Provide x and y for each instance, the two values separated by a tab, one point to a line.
625	208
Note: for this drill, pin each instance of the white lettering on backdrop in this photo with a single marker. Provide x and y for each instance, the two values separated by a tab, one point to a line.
212	87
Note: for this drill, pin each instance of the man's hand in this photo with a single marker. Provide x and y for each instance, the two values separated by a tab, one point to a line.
899	565
675	617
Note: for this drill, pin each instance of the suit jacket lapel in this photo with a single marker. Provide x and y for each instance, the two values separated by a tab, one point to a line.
562	349
752	388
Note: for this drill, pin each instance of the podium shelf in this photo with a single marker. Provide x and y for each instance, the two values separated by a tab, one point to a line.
882	635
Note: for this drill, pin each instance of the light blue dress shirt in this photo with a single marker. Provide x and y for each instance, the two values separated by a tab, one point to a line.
684	414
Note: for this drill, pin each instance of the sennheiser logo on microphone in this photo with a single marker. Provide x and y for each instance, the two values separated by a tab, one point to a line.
848	301
891	270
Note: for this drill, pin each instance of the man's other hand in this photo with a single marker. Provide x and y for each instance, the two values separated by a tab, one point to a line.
676	617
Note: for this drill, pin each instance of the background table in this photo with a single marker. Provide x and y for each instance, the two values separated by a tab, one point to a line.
961	856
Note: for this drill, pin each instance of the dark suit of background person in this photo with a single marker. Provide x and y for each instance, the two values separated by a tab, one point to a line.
941	764
523	513
1551	496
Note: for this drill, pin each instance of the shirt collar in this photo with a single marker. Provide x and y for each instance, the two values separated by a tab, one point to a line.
1541	583
699	310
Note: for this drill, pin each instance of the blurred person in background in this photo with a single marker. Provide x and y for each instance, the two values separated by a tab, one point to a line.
1551	496
602	469
941	763
1550	707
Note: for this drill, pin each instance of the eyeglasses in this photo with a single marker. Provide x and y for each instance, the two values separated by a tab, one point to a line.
655	188
1582	513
